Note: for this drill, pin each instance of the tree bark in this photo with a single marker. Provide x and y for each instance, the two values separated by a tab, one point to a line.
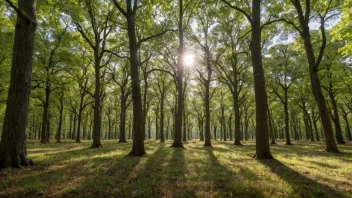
61	110
178	123
13	139
138	138
44	138
261	131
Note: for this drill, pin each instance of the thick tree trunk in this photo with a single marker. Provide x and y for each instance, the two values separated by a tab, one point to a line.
138	137
13	139
97	103
207	110
261	131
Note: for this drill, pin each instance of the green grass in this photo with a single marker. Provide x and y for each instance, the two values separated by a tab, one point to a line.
74	170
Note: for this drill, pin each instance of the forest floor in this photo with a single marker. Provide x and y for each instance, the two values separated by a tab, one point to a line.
73	170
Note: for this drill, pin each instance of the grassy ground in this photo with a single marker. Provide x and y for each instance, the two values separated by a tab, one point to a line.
74	170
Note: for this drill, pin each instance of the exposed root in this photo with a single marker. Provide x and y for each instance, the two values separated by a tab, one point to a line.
15	161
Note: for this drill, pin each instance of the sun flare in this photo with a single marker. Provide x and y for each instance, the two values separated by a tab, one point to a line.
188	59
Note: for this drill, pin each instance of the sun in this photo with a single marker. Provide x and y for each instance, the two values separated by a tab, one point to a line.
188	59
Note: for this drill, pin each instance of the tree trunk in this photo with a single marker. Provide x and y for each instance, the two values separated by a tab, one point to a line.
122	138
214	127
162	117
138	138
97	103
207	110
184	136
261	131
271	128
61	109
167	127
45	115
13	139
237	116
178	124
157	123
314	78
336	118
74	126
348	130
149	128
80	110
287	120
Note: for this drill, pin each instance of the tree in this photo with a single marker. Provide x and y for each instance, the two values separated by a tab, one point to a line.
130	14
233	67
13	139
49	58
261	131
96	33
283	75
122	79
304	16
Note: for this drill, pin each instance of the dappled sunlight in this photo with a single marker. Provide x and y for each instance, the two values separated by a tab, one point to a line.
223	170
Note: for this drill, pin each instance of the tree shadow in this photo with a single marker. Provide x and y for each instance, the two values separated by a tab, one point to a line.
302	186
228	183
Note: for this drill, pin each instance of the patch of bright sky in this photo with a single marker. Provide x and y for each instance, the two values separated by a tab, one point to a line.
313	25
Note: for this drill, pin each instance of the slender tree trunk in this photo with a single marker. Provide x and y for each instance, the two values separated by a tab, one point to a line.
157	123
314	78
310	127
271	128
61	109
45	115
167	127
348	130
13	139
214	129
122	138
336	118
237	118
74	126
178	124
78	140
149	128
184	136
287	120
162	117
